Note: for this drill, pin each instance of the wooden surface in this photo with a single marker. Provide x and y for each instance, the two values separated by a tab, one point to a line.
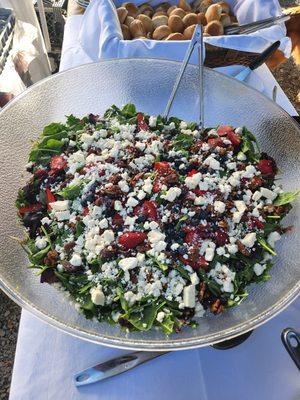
74	8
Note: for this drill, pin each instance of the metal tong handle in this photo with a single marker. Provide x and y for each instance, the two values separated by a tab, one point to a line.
114	367
197	39
291	340
253	26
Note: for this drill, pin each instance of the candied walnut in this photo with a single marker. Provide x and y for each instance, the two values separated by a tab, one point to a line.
202	290
171	178
242	248
115	179
223	224
142	248
195	148
112	191
136	178
149	276
69	246
70	268
255	183
51	258
109	252
133	277
216	307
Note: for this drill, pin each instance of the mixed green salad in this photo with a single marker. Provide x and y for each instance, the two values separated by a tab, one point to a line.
148	222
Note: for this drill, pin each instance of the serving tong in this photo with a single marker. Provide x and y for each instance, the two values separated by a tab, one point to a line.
126	362
195	42
254	26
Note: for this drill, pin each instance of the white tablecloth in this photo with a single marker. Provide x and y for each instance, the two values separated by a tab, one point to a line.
260	369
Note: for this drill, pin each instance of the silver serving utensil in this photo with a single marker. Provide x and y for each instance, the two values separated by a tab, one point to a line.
197	40
254	26
114	367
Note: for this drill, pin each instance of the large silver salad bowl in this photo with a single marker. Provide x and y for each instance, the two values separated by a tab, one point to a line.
147	83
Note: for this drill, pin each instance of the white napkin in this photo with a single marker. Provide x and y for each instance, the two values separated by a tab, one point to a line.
100	22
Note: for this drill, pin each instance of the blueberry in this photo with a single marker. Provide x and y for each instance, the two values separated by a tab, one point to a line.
141	219
182	250
33	222
87	198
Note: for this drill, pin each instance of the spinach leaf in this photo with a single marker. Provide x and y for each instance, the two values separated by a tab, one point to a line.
182	271
286	198
158	264
167	324
71	192
37	257
144	320
53	129
183	142
129	110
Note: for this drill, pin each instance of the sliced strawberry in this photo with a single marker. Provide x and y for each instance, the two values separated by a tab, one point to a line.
130	240
50	198
255	223
39	173
192	172
162	167
192	237
31	208
223	130
148	209
234	138
58	163
221	237
117	220
85	211
216	142
199	192
141	124
267	167
157	184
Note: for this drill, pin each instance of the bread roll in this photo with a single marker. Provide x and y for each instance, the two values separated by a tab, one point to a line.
126	32
170	9
163	6
184	5
147	22
145	7
203	6
201	19
128	21
225	20
176	24
159	13
188	32
190	19
132	9
214	28
161	32
178	11
122	14
213	13
225	7
137	29
176	36
159	21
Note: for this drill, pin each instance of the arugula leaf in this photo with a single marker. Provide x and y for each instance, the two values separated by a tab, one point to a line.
264	244
21	199
286	198
192	126
180	221
71	192
37	257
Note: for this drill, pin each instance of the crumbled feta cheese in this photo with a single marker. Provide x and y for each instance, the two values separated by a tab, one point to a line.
249	240
193	181
212	163
128	263
160	316
132	202
273	237
103	223
171	194
61	205
259	269
209	254
189	296
41	242
76	260
62	215
219	206
194	278
152	121
97	296
268	194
